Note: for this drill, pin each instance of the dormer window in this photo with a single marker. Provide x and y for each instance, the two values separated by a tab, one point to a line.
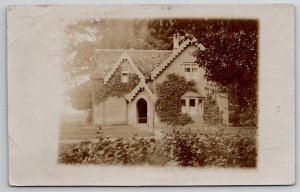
125	75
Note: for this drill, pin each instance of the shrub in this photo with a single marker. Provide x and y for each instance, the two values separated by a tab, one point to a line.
110	151
215	149
179	148
212	114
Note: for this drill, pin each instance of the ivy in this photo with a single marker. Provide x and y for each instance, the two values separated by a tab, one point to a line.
168	104
114	87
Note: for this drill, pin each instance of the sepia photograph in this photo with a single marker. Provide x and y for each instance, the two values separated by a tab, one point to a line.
160	92
151	95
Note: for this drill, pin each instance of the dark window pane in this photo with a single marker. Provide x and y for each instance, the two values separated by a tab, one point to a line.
187	69
192	102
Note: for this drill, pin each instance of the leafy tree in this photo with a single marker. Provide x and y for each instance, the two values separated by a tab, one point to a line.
168	103
81	96
230	59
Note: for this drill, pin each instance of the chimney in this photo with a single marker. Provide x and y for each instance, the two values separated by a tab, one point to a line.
176	41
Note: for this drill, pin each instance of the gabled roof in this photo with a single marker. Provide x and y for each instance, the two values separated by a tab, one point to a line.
123	57
181	48
141	86
145	60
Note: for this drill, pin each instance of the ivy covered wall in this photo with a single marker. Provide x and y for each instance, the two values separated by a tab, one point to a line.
168	103
114	87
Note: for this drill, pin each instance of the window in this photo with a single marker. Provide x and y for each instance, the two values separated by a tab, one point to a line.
195	73
183	102
191	71
187	69
192	103
124	75
200	102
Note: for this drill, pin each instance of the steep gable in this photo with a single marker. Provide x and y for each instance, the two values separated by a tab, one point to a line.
175	54
127	59
145	60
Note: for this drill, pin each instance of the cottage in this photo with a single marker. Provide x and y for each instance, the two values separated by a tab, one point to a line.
125	84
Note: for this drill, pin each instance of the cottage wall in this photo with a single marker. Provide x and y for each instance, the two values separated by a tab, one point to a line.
115	111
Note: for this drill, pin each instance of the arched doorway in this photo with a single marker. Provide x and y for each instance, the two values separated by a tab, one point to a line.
141	111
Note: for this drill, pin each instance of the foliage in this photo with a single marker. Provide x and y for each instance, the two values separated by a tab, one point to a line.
168	103
177	148
110	151
214	149
231	60
212	114
114	87
81	96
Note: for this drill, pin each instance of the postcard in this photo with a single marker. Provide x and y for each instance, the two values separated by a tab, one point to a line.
151	95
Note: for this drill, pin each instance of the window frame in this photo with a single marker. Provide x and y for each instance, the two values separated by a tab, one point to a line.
125	75
191	70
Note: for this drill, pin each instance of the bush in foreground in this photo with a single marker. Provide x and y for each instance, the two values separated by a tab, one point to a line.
180	148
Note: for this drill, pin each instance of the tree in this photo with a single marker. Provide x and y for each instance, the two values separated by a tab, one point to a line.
81	96
230	59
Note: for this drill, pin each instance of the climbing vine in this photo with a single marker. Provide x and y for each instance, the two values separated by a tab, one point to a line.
114	87
168	104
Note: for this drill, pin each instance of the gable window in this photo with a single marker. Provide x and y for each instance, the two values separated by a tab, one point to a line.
125	75
191	71
195	72
187	69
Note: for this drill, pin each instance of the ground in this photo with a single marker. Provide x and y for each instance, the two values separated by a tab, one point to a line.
74	127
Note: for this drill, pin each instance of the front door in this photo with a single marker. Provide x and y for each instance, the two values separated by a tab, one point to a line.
142	111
